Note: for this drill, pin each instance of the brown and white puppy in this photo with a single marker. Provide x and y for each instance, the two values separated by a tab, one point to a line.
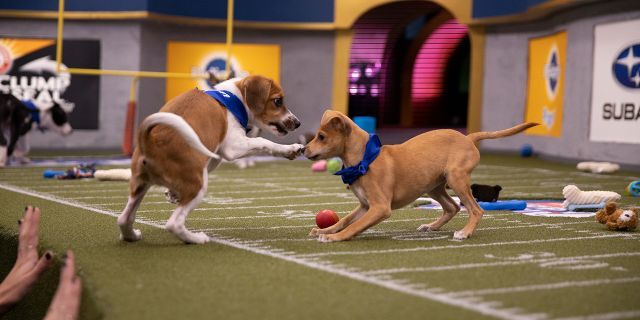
179	145
402	173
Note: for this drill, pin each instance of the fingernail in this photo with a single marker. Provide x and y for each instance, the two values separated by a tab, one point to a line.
48	255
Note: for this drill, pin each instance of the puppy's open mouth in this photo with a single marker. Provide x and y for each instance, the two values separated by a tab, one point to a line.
279	127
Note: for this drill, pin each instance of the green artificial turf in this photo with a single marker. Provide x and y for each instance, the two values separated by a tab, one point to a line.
263	265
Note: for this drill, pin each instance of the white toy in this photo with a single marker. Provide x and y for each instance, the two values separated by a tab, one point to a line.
575	196
598	167
113	175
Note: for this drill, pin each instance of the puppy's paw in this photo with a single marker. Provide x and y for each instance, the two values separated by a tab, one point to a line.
294	151
171	197
131	237
314	232
199	238
460	235
3	156
327	238
426	228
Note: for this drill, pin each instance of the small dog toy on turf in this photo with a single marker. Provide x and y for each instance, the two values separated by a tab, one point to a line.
633	189
49	174
485	193
526	150
319	166
82	170
573	195
334	165
598	167
618	219
326	218
113	175
503	205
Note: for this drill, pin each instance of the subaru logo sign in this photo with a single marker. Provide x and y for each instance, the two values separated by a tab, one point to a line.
552	73
626	66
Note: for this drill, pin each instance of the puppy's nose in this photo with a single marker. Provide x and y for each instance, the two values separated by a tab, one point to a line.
296	123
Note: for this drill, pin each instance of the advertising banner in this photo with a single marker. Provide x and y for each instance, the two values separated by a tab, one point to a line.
28	71
615	98
545	88
188	57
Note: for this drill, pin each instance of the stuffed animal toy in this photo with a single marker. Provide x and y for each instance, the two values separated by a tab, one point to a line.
598	167
618	219
573	195
485	193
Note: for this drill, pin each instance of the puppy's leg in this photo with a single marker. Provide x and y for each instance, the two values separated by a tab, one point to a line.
3	150
22	149
373	216
343	223
244	147
449	206
460	182
188	202
128	215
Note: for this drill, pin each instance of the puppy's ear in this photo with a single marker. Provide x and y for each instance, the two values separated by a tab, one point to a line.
339	124
497	188
256	92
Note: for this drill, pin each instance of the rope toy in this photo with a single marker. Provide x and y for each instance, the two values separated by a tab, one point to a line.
573	195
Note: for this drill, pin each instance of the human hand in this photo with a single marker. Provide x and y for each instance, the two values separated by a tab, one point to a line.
66	302
28	266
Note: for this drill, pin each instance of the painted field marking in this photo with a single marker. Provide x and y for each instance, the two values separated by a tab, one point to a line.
630	314
546	286
257	207
416	249
486	308
499	263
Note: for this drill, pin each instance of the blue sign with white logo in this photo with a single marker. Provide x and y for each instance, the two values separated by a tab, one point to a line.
626	66
218	66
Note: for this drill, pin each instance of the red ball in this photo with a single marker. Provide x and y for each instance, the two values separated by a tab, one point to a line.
326	218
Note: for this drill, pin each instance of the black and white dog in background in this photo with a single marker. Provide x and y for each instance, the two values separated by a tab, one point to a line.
17	118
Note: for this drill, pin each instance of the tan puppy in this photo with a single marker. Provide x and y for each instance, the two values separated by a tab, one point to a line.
402	173
179	145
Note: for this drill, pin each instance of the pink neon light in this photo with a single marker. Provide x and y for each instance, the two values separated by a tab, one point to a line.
430	63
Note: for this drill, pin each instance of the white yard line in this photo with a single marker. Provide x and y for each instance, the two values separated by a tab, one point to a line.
259	207
417	249
340	195
635	314
485	308
499	263
546	286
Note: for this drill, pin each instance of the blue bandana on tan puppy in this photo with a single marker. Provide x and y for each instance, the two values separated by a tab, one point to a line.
399	174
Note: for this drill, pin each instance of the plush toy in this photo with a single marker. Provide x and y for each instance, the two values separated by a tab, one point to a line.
598	167
113	175
573	196
485	193
618	219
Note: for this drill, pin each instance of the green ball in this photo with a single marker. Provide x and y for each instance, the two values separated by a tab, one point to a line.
334	165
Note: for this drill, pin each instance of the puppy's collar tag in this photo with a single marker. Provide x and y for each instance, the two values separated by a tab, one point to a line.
233	104
34	113
372	150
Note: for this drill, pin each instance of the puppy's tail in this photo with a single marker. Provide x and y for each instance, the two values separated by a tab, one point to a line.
477	136
177	123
